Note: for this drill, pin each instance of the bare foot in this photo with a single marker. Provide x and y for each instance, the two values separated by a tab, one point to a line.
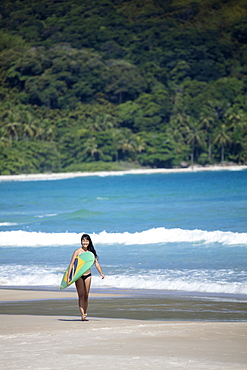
84	317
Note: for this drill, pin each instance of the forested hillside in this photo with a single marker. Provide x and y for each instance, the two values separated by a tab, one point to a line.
96	84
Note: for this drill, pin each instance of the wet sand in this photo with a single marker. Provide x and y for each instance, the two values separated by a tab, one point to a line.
61	341
124	304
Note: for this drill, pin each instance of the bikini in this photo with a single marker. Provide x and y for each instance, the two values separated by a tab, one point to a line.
84	277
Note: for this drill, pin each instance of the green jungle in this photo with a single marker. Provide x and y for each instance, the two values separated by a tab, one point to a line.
90	85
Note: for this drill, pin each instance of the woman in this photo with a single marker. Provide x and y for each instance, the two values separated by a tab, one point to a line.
84	282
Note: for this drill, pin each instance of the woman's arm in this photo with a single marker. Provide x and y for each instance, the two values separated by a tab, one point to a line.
71	264
98	267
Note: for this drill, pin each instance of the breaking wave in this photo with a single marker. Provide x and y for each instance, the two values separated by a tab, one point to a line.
151	236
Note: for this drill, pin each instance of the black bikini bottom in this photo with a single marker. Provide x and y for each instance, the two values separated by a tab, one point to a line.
84	277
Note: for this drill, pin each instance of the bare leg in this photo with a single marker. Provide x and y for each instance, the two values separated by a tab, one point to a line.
83	288
87	284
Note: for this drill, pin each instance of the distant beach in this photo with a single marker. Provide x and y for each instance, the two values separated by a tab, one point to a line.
69	175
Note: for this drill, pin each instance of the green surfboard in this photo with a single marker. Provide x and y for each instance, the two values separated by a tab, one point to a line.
82	263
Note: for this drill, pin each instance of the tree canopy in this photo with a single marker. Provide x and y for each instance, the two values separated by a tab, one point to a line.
92	84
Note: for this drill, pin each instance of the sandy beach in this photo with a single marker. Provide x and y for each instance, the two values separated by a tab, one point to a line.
59	342
59	176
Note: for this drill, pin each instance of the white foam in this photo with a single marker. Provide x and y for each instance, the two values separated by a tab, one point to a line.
30	275
36	239
190	280
8	224
188	283
47	215
151	236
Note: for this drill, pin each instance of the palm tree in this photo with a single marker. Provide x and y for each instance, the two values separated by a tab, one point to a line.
207	120
127	143
99	123
4	141
236	119
12	126
29	128
195	136
222	138
116	137
140	144
174	130
92	124
106	122
39	134
237	122
50	133
234	116
217	109
91	147
241	155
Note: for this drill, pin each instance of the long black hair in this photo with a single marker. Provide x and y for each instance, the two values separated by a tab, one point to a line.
90	247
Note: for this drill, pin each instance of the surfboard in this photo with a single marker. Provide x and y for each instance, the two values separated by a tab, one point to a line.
82	263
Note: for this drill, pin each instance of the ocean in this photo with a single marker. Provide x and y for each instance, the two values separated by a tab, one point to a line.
168	232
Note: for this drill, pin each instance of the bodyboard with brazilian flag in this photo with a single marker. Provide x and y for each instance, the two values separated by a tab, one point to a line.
82	263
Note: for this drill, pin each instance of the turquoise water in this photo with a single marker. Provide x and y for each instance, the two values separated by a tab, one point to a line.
179	231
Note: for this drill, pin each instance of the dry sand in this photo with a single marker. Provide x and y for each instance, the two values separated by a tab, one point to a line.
64	342
50	342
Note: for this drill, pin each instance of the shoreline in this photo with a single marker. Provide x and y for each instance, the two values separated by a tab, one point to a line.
42	290
15	294
127	304
69	175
